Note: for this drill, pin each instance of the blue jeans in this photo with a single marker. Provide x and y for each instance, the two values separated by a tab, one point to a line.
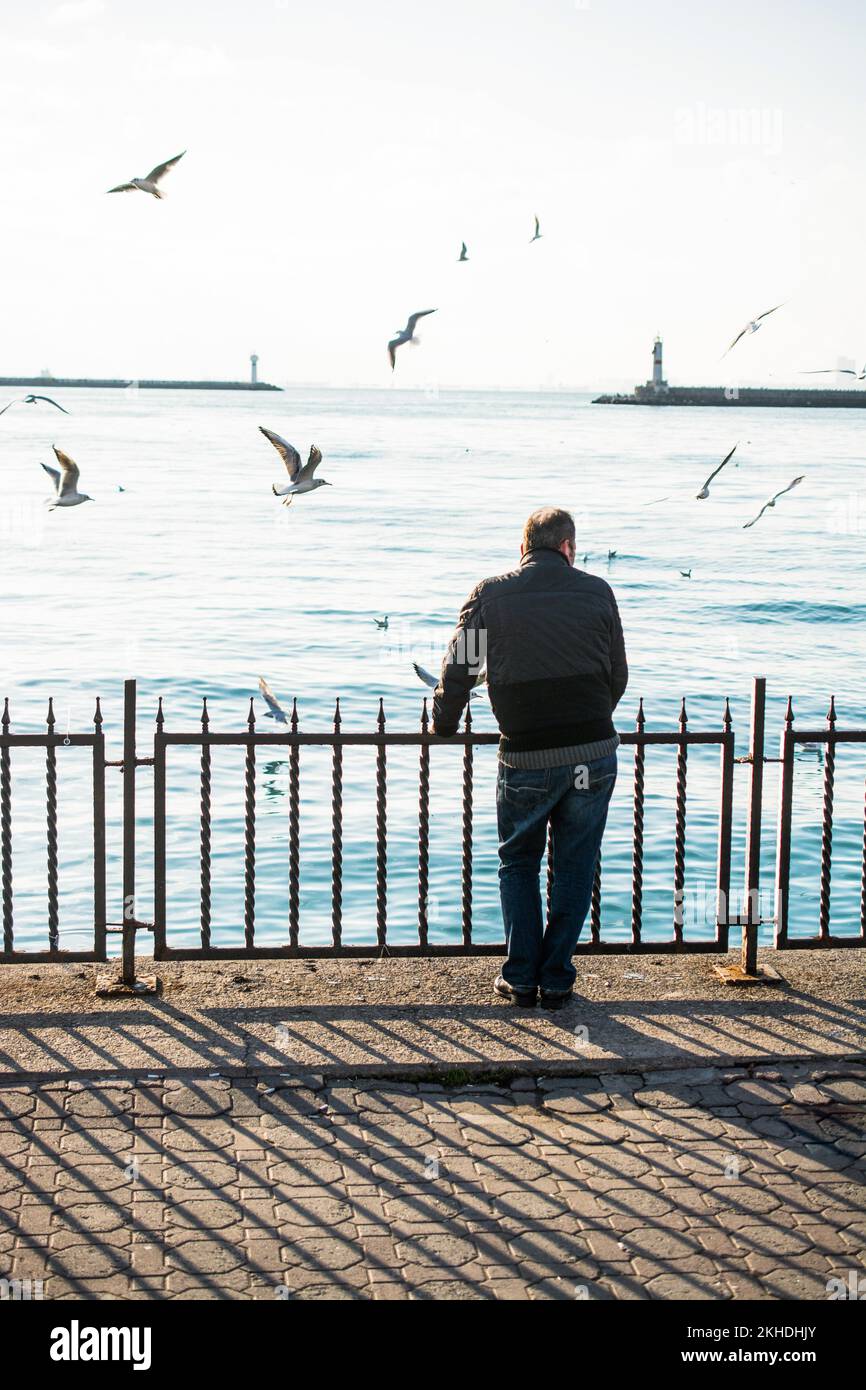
575	804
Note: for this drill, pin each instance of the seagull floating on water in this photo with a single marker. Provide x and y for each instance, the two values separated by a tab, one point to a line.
705	490
31	400
275	709
429	679
65	482
407	335
300	478
382	622
464	254
149	183
773	500
537	234
752	326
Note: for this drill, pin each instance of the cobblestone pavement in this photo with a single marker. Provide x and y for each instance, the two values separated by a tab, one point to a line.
695	1184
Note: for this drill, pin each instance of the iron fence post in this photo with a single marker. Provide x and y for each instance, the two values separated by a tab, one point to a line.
129	754
749	954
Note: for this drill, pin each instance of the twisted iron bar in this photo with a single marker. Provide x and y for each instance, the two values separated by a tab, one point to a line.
205	847
51	812
467	835
423	829
680	832
337	837
595	902
294	833
381	839
827	825
637	834
250	837
6	834
549	871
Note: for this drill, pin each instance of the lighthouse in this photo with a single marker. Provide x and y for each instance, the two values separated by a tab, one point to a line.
254	367
658	382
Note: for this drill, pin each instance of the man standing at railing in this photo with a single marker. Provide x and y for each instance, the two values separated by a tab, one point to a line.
551	640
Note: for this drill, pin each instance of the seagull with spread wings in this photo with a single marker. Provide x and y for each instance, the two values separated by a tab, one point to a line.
300	478
429	679
149	184
773	500
537	233
65	482
752	326
274	708
705	490
31	400
407	335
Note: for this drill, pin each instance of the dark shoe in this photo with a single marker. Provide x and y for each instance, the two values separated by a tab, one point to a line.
549	1000
524	999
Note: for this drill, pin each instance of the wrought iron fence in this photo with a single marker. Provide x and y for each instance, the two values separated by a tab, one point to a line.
294	739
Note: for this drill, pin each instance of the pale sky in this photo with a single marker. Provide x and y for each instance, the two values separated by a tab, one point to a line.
692	165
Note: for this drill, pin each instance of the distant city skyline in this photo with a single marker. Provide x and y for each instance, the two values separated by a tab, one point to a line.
688	169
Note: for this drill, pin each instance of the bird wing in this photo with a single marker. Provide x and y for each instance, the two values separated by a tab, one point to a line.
736	340
537	227
311	465
156	174
425	676
758	517
831	371
123	188
69	472
767	312
7	407
725	460
788	488
271	701
392	350
287	452
54	475
413	319
463	248
50	402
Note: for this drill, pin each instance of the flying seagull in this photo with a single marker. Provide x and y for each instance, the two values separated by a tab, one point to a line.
407	335
275	709
837	371
705	490
65	482
433	681
686	574
382	622
537	234
150	182
752	327
300	479
773	500
31	400
464	254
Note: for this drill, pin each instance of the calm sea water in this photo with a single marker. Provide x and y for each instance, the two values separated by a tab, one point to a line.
196	580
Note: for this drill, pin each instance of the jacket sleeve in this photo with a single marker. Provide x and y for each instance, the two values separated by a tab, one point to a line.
460	668
618	663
